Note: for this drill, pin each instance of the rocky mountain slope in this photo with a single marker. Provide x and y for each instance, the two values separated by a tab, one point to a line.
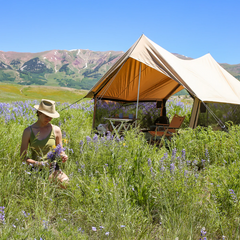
76	68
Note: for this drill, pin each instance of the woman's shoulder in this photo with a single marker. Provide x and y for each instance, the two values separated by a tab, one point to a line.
27	131
56	129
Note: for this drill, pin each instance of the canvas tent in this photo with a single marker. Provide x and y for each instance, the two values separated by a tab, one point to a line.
147	72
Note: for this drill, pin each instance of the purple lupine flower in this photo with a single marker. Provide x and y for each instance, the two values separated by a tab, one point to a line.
165	156
88	138
55	153
233	195
95	137
203	232
174	151
172	167
183	154
2	215
149	162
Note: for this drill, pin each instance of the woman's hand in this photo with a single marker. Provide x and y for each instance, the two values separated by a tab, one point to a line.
64	157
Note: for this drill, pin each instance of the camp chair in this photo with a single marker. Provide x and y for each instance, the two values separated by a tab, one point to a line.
163	130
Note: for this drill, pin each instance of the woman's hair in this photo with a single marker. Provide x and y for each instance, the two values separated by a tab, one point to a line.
37	113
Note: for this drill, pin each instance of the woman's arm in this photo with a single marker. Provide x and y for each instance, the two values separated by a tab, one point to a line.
58	136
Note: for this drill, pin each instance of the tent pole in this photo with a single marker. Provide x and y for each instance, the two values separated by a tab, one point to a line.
138	90
195	113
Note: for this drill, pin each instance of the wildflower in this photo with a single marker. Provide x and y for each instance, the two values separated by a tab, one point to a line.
94	229
195	162
149	162
24	213
95	137
203	231
233	195
14	226
55	153
45	224
174	151
183	154
101	227
206	153
107	233
122	226
88	139
70	149
2	215
172	167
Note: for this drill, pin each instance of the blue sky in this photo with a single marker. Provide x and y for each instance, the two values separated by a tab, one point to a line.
191	28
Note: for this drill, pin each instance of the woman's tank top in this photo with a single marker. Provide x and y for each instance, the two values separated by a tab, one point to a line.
40	148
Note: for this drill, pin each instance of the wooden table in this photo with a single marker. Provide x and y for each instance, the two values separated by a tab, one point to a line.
124	124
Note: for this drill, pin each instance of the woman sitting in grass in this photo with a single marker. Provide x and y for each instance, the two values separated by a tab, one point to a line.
43	137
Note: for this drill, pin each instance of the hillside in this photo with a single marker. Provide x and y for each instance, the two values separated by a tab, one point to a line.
77	68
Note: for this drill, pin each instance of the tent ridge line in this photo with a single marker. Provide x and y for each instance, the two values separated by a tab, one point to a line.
170	69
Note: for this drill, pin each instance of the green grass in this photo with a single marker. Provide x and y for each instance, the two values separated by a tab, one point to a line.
15	92
124	187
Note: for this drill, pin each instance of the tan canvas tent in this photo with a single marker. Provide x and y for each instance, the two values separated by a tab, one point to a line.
147	72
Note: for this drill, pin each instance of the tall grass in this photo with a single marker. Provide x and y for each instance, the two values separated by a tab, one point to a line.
120	187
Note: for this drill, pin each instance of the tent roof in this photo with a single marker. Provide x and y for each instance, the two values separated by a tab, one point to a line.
163	74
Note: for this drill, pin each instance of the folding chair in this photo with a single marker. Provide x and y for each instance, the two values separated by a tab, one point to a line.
163	130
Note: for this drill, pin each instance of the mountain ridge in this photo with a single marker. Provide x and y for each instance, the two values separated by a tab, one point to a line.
76	68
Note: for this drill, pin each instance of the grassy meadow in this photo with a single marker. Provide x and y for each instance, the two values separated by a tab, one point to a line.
120	186
16	92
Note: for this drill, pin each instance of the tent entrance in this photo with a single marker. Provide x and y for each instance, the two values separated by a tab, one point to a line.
147	112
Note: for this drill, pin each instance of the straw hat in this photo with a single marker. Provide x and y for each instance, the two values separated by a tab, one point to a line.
47	107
